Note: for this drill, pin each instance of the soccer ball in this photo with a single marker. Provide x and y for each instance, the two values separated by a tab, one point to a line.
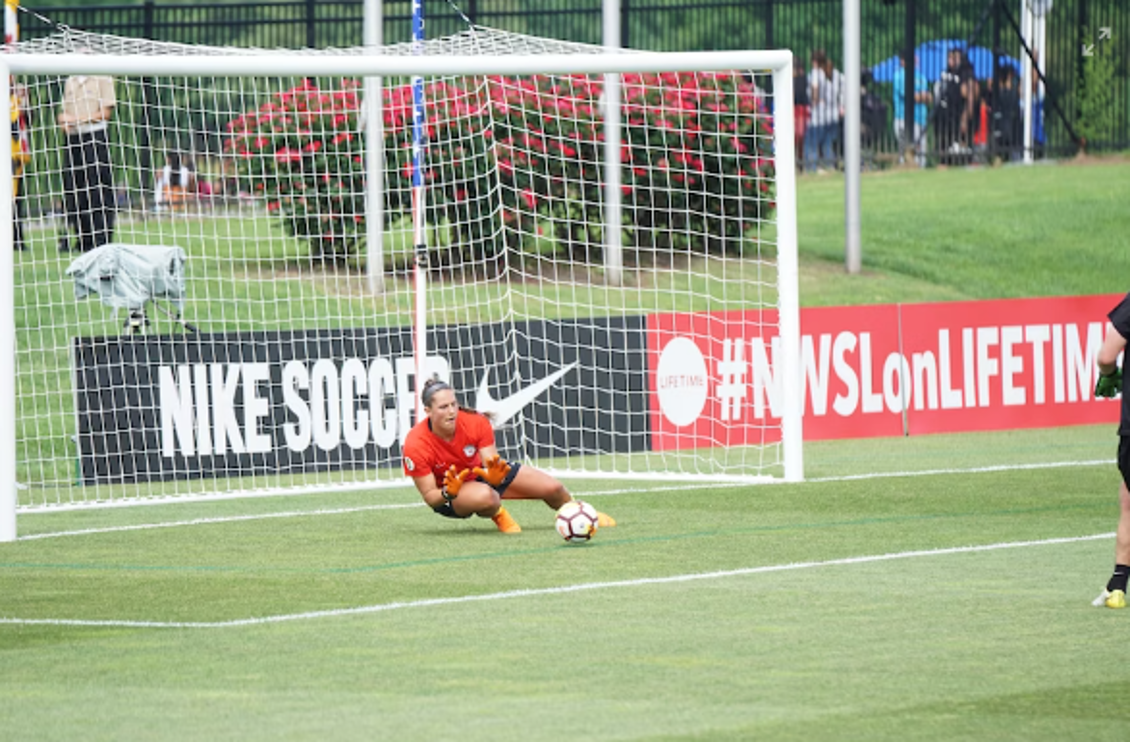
576	521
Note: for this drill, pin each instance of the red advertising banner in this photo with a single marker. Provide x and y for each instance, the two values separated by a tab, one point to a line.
701	380
879	370
999	365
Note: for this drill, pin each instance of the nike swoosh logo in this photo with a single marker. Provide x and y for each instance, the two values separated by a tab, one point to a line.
507	407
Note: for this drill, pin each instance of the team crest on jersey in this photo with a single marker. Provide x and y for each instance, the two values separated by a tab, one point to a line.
468	451
410	464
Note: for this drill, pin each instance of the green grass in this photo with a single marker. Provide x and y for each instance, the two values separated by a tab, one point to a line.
821	610
1048	230
939	646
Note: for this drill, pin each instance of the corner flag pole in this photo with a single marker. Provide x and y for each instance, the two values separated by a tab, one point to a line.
419	241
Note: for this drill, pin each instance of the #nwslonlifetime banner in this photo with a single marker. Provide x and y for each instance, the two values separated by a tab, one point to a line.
880	370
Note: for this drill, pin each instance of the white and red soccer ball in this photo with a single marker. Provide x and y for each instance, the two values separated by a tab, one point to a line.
576	521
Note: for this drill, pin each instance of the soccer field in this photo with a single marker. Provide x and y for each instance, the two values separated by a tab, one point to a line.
926	588
930	588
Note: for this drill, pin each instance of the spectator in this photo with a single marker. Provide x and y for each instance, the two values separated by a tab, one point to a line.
20	157
1038	135
982	116
205	191
801	107
1039	138
921	98
826	95
972	95
947	117
1007	123
176	182
88	189
956	99
872	114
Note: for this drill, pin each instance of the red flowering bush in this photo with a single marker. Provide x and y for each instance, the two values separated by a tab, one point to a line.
301	153
695	175
503	157
459	168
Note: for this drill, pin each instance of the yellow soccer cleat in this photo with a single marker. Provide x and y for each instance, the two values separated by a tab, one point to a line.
1109	599
604	520
505	522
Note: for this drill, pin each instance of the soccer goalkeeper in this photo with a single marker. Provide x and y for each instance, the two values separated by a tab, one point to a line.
452	458
1110	384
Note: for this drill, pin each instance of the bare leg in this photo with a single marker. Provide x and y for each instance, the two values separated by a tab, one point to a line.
1122	539
476	498
534	484
1114	595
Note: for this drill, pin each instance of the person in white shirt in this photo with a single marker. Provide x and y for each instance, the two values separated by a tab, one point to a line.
88	187
827	109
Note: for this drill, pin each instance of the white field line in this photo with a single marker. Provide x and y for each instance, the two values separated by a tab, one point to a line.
971	470
598	493
221	519
564	589
300	514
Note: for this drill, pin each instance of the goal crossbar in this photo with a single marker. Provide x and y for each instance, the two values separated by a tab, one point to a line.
379	65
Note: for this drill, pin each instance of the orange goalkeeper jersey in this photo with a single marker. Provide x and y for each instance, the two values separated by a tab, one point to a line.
425	452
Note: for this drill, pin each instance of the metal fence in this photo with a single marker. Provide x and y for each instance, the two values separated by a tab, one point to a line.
1085	54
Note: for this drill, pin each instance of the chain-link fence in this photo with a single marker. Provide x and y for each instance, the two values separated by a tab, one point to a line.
1082	46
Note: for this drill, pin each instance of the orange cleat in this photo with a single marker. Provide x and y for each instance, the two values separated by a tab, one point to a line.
505	522
604	520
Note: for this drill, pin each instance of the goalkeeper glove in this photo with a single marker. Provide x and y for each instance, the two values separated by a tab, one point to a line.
452	482
1109	385
495	471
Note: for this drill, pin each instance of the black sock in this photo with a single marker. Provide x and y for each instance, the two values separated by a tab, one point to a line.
1118	579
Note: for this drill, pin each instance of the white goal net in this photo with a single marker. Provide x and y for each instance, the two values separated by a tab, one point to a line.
212	280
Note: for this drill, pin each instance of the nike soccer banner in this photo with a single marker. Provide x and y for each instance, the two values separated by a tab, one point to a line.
192	406
153	408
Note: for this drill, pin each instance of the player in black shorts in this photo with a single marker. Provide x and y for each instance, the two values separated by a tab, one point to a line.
1110	384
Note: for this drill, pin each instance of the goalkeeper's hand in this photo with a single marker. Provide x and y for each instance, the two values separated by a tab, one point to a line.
452	482
1109	385
495	471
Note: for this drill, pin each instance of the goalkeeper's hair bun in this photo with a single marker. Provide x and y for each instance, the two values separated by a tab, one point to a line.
431	386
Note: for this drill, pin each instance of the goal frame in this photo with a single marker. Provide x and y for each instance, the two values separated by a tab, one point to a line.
263	63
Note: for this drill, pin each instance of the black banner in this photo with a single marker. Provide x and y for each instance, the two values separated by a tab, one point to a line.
233	404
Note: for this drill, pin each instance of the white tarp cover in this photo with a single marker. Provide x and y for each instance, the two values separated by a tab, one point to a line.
128	276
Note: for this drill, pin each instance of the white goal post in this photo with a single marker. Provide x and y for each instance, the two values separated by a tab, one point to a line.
683	362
